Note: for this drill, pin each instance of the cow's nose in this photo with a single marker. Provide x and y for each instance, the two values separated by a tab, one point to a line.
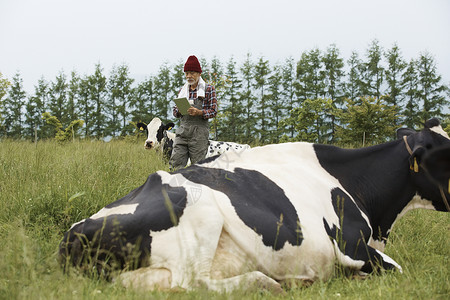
148	144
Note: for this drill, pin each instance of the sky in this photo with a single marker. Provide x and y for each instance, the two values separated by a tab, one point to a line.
41	38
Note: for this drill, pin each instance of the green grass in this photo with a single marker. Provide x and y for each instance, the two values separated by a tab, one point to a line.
44	188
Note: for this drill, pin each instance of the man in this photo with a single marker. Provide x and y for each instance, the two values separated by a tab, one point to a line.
192	136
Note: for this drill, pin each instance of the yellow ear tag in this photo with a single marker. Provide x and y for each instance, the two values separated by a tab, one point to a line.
169	128
141	128
416	166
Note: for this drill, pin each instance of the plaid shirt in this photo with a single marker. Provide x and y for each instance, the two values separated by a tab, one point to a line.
209	106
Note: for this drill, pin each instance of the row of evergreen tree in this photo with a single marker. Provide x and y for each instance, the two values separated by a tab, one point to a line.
319	98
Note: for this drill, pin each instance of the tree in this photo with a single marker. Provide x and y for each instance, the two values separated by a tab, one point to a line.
276	105
367	122
163	90
62	135
430	90
409	83
35	127
288	92
4	85
30	128
307	120
12	108
248	99
334	87
352	86
97	92
143	102
85	105
311	86
72	96
219	81
205	68
215	74
310	76
261	73
372	71
232	105
178	77
333	74
58	98
393	74
120	91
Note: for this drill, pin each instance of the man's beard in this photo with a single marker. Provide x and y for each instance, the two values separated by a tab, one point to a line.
190	81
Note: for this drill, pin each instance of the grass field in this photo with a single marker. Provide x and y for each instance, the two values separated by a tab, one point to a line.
44	188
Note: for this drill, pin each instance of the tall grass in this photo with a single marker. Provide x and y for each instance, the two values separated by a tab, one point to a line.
44	188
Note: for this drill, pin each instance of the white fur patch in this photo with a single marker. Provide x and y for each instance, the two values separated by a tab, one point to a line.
152	129
439	130
377	244
416	202
119	210
390	260
75	224
345	260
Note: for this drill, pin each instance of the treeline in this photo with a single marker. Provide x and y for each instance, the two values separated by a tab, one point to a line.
318	98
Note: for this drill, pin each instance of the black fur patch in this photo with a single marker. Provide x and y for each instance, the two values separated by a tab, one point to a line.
160	207
259	202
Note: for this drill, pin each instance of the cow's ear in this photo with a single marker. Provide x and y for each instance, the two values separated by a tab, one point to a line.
416	158
404	131
141	126
432	123
170	126
437	164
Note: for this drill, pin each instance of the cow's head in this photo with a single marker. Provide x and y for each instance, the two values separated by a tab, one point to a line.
437	164
430	162
155	132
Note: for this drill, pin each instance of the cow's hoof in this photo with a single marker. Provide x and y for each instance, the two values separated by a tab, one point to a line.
270	285
292	283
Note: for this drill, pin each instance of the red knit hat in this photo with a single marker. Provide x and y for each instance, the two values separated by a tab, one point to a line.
192	64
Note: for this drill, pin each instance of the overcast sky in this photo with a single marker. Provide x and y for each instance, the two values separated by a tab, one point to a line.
42	37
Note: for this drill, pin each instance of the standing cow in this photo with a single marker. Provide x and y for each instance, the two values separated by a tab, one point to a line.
159	137
271	214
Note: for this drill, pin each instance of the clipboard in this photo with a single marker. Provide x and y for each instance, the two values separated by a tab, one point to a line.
183	105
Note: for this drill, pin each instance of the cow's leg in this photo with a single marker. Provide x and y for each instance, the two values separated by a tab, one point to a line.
365	258
149	279
247	281
146	279
379	259
350	238
182	254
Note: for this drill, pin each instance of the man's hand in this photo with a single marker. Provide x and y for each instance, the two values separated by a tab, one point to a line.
192	111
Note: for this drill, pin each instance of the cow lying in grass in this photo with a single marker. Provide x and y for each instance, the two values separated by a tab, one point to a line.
261	218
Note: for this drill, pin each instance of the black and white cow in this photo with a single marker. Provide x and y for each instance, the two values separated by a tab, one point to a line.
261	218
158	137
